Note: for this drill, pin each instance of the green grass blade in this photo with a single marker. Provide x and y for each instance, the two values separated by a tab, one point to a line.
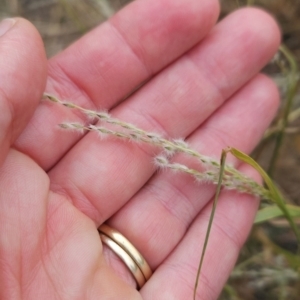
222	167
291	93
273	211
275	194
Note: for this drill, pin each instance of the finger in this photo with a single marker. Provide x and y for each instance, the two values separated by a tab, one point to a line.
47	247
111	61
176	276
158	216
100	176
23	207
23	78
132	46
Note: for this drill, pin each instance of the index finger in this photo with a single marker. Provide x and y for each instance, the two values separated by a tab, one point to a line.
111	61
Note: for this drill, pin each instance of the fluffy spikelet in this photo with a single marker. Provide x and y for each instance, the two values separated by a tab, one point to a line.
181	143
76	127
103	115
161	161
156	138
169	149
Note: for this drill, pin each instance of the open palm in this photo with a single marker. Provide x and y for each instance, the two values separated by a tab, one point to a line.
198	81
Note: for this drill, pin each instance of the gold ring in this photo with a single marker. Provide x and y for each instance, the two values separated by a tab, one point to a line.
125	257
125	245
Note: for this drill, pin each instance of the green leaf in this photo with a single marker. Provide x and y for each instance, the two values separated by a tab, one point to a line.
275	194
273	211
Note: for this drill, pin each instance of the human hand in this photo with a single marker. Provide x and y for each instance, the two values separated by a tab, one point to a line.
57	188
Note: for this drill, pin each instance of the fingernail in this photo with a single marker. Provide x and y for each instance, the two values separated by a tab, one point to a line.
6	24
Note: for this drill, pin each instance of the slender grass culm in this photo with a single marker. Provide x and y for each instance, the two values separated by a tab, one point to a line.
217	173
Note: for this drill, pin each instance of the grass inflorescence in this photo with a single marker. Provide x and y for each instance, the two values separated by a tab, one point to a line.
232	179
211	171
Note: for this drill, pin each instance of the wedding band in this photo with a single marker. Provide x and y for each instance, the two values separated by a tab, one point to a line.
125	257
125	245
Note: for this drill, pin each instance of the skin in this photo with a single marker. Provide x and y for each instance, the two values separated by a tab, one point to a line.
57	187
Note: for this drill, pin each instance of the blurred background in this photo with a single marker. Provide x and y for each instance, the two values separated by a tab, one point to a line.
268	267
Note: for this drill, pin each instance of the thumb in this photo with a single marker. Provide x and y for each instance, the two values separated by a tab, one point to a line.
23	69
